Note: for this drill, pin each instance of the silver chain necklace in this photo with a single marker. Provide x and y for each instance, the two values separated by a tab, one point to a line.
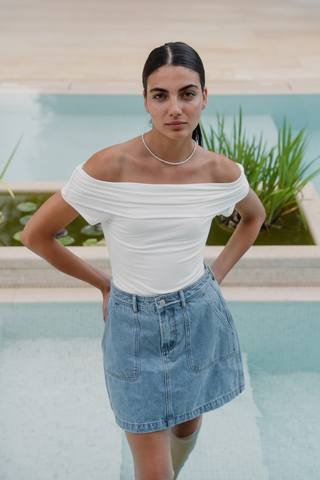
169	163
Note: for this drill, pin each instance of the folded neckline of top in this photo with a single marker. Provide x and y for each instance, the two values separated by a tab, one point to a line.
161	184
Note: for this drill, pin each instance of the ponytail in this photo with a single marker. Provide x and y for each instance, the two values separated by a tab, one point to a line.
197	135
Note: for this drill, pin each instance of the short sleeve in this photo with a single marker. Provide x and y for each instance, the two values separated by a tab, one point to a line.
235	192
84	197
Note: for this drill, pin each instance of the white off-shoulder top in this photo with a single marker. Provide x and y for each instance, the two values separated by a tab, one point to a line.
155	233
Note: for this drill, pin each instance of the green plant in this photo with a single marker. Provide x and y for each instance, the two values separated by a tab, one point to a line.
276	174
288	174
251	154
7	165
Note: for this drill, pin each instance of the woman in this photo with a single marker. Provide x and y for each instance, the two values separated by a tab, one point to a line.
170	348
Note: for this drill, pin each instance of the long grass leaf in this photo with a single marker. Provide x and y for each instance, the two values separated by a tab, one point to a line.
7	187
10	158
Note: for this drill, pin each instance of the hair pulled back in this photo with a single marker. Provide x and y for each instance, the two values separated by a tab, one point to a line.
178	54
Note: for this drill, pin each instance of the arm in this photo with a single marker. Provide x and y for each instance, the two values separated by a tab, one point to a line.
252	217
38	236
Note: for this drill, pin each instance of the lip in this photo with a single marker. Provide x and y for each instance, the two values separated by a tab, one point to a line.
176	125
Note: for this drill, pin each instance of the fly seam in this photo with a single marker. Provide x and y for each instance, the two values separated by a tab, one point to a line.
183	301
134	303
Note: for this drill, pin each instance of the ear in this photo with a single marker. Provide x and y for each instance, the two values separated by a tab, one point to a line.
145	101
205	96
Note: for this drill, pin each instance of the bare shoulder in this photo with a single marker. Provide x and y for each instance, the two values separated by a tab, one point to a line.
109	163
105	164
222	169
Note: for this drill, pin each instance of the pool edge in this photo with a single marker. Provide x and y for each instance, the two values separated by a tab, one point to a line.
92	295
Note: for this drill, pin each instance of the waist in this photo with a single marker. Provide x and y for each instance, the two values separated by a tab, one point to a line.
160	301
157	276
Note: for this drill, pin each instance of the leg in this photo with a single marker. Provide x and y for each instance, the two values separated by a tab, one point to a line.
151	455
187	428
183	438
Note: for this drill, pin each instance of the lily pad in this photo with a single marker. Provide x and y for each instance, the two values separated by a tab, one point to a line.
66	240
24	220
93	242
90	231
17	235
27	207
102	242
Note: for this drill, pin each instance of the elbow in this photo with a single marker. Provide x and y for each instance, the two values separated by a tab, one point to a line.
263	216
32	239
256	219
26	238
259	215
260	218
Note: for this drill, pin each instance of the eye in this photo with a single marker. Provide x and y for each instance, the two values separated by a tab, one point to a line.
189	94
159	96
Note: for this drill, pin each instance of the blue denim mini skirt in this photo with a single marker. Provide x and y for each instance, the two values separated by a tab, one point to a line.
169	358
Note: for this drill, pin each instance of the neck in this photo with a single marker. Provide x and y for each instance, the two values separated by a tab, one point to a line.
170	150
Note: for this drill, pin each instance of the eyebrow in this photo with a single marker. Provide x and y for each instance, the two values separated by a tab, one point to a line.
157	89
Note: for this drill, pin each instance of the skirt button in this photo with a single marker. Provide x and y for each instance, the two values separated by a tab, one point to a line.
162	303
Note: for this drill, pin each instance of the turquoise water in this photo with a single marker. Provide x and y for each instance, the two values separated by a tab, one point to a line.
61	131
56	421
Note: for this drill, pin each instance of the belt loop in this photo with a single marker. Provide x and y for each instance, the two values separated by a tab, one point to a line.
183	301
134	302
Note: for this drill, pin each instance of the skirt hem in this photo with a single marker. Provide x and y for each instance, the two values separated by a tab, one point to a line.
163	424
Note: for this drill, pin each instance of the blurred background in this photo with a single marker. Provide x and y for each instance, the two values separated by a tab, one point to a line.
248	46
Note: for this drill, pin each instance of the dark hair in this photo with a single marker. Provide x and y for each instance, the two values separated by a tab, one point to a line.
181	55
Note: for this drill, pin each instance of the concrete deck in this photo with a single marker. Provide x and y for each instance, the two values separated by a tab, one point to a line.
78	46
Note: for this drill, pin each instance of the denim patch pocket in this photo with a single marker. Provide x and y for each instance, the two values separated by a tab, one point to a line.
209	336
120	342
224	307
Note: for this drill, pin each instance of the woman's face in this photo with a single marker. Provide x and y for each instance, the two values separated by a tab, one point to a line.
174	100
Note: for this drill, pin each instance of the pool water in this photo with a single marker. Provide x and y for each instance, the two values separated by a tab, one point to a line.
56	421
61	131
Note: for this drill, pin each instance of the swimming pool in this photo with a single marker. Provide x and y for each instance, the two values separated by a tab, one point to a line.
56	421
61	131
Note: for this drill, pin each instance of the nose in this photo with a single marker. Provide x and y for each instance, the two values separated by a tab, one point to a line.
174	107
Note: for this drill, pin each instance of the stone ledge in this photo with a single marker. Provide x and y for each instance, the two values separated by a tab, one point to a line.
92	295
260	266
33	187
272	266
310	204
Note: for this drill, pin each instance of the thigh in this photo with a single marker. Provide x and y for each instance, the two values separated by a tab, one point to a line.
151	455
187	428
